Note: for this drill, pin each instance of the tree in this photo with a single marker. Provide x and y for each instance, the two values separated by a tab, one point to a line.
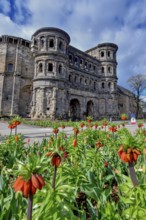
138	85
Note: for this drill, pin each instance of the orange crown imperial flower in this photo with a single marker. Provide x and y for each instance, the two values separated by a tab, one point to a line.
11	126
99	144
56	160
140	125
30	186
55	130
128	156
76	130
113	128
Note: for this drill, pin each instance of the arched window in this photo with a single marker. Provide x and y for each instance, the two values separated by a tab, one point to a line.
76	60
60	45
109	69
102	54
51	43
70	58
50	67
81	62
85	82
102	69
10	67
80	80
86	64
40	67
35	42
69	78
60	68
94	68
42	42
108	54
89	66
102	85
109	85
10	40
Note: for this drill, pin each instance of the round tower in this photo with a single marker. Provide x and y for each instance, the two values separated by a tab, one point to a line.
108	72
108	68
49	47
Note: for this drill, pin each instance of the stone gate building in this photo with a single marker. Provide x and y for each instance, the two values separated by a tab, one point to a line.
48	78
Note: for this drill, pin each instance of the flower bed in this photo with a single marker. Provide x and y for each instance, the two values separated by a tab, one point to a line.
96	173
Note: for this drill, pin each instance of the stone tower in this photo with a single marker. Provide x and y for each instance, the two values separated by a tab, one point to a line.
106	54
49	48
16	74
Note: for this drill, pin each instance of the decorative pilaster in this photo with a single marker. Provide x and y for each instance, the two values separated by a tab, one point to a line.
54	102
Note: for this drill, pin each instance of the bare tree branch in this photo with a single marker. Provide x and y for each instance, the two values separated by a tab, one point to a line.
138	86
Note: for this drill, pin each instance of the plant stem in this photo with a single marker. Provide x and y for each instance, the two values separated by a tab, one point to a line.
55	135
54	177
133	174
29	210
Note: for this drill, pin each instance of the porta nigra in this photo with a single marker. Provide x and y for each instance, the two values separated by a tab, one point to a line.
48	78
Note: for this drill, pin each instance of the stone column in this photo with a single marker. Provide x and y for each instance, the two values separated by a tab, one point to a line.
42	103
2	80
33	104
54	102
14	81
56	43
63	102
1	91
45	43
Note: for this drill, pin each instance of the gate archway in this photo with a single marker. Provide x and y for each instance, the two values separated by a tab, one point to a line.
74	109
90	107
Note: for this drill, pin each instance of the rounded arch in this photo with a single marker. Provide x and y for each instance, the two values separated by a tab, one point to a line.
25	100
74	109
90	108
40	67
102	69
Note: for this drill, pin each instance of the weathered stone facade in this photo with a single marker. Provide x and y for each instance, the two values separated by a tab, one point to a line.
47	77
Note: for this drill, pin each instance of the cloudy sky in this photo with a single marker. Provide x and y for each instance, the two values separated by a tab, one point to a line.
88	22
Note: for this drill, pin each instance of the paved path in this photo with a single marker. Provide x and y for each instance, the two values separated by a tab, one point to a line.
35	133
38	133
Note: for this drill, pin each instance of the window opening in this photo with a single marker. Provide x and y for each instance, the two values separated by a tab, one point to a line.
108	53
10	67
109	70
60	45
40	67
51	44
50	67
69	78
42	42
60	68
70	58
102	69
102	54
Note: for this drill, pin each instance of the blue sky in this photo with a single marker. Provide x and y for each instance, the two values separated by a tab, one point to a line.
88	22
